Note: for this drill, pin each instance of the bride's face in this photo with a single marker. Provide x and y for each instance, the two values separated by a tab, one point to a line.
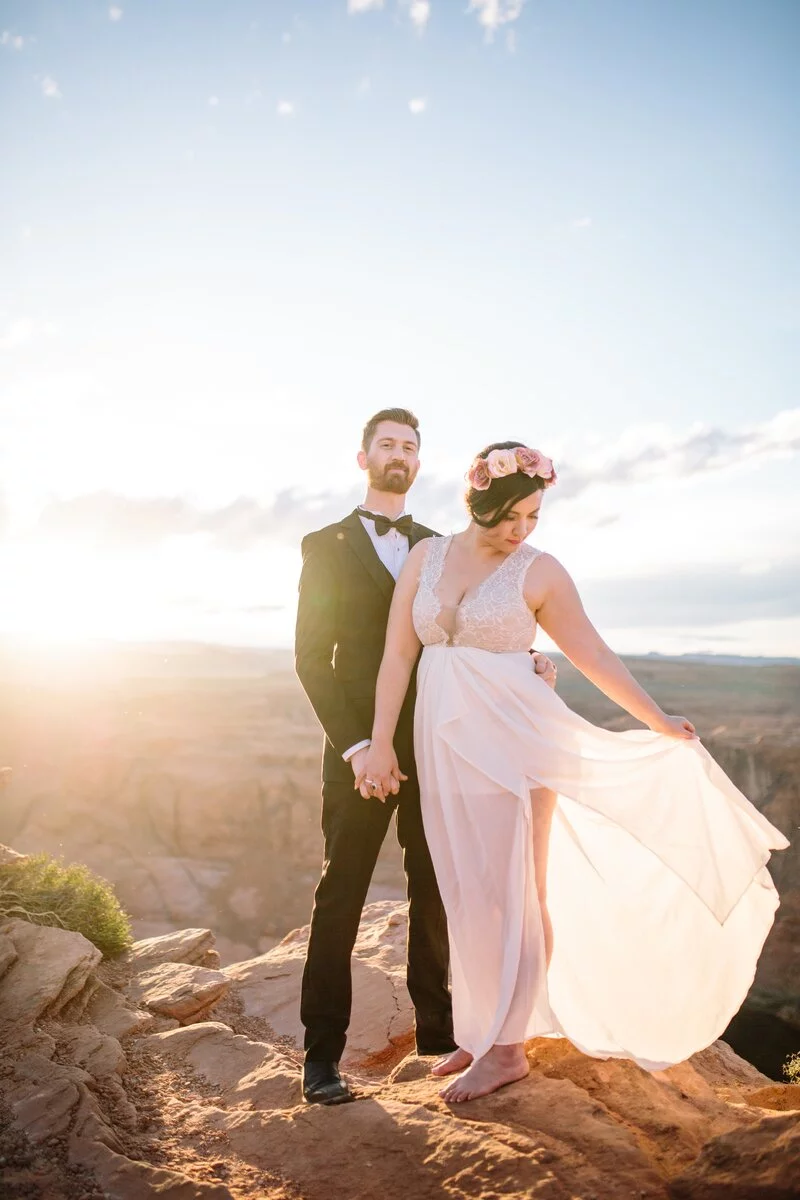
516	527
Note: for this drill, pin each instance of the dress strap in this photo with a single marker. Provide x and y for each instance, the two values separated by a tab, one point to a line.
521	560
434	561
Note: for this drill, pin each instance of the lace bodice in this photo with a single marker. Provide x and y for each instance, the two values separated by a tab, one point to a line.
494	617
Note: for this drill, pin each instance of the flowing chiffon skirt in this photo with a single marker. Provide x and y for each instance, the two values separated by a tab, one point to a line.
657	887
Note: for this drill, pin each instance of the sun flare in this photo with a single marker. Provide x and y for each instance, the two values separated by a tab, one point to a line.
58	595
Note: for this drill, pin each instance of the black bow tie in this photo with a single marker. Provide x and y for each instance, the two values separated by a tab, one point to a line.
384	524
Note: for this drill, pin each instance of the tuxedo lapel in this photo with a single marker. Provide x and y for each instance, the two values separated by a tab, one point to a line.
360	543
418	534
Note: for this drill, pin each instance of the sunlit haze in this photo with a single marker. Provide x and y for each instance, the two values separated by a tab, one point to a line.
232	231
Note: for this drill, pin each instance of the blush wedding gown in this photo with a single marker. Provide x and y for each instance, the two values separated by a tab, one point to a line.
657	886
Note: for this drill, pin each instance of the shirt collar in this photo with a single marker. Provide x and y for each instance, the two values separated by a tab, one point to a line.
363	511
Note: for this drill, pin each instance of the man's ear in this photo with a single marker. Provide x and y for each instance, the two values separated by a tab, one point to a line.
361	459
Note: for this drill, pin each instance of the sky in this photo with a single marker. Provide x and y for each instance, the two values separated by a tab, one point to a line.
231	231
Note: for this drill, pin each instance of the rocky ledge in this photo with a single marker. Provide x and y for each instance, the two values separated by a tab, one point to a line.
162	1075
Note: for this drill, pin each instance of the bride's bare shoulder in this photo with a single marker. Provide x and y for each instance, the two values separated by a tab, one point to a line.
545	572
545	563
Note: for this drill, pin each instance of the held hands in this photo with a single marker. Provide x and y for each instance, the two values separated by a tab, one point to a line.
677	727
377	772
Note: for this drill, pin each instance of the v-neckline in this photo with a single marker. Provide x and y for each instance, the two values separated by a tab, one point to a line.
467	596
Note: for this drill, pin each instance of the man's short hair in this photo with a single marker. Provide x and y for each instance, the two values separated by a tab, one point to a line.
402	416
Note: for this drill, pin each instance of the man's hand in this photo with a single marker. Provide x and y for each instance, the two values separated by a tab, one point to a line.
358	762
380	775
543	666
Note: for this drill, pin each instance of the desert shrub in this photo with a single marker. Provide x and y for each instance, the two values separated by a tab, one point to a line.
791	1068
45	891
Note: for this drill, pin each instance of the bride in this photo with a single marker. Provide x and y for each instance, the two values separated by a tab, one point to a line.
606	887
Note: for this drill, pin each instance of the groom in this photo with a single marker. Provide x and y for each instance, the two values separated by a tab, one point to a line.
348	577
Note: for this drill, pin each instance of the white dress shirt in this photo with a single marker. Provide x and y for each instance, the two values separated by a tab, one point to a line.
392	549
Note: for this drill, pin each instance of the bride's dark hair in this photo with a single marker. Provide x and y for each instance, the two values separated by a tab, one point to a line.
491	506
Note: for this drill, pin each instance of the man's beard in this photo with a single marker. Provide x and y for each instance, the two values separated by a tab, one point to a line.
395	477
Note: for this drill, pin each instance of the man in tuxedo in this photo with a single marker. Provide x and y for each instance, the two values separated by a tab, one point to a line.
348	577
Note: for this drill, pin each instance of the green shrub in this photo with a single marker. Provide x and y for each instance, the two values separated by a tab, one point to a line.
791	1068
43	890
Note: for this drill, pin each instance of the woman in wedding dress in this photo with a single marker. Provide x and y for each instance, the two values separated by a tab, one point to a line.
606	887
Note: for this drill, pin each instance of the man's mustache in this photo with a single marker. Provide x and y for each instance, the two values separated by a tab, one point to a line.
396	467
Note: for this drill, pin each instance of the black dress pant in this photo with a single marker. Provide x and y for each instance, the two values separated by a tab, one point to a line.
354	830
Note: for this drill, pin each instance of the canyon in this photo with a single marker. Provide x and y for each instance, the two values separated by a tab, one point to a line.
188	776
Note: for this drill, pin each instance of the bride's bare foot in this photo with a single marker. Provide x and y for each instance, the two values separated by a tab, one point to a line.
499	1066
456	1061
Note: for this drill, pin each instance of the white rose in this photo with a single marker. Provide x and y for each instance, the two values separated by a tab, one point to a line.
501	462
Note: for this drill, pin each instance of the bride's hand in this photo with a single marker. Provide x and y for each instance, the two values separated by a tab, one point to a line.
677	727
381	775
544	667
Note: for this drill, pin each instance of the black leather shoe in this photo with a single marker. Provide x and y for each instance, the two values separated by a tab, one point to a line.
322	1084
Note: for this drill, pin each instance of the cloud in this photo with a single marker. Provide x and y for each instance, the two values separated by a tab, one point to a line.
115	13
703	450
364	86
695	597
23	330
213	101
581	222
13	40
494	13
285	108
418	105
511	41
17	333
419	11
108	518
360	6
50	88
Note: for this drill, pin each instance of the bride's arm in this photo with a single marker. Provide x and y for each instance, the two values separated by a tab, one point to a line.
553	597
400	653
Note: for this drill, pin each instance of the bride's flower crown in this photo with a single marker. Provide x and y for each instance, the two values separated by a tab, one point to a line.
507	462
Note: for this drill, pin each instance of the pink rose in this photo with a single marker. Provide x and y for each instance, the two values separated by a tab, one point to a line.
552	478
529	460
478	475
545	469
501	462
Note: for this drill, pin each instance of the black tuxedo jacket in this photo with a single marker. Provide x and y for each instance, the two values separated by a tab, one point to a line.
343	607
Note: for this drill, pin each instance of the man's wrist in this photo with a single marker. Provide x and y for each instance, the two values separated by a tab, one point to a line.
348	754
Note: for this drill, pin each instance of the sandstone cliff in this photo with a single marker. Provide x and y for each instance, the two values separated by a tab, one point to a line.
163	1075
